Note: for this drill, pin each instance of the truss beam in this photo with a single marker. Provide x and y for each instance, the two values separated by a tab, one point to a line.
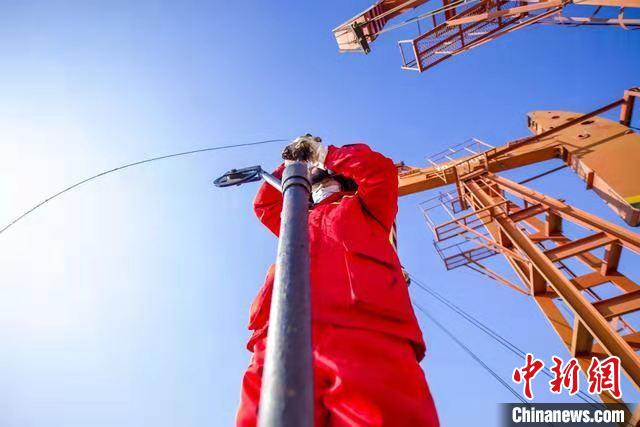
591	321
458	25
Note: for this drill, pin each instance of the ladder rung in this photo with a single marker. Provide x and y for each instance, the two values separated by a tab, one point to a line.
542	237
619	305
590	280
596	278
527	212
579	246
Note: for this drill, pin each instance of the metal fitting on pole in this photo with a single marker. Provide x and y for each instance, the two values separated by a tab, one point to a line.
287	381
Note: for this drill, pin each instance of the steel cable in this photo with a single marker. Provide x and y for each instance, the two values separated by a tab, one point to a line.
472	354
128	165
493	334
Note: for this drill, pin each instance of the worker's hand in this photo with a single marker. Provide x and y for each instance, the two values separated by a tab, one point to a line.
306	148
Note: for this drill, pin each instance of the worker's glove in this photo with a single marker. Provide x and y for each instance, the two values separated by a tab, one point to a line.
307	148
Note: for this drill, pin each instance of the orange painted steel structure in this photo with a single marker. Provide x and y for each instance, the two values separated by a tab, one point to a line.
589	144
562	256
459	25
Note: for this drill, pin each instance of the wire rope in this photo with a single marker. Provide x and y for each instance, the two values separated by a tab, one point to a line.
491	333
471	353
129	165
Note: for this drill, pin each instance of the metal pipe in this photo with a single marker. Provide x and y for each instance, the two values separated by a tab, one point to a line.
287	381
270	179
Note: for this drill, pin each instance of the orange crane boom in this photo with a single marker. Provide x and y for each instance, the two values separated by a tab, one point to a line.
456	26
560	255
356	34
604	153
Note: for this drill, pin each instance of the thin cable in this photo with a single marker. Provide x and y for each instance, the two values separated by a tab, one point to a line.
540	175
493	334
472	354
470	318
128	165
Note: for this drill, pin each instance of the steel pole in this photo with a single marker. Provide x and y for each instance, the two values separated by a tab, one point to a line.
287	381
271	180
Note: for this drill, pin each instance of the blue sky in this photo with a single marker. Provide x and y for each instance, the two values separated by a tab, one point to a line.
125	302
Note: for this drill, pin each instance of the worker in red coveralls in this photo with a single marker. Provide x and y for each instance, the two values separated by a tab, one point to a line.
366	341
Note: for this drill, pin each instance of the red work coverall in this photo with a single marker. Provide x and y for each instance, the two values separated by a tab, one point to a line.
366	340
